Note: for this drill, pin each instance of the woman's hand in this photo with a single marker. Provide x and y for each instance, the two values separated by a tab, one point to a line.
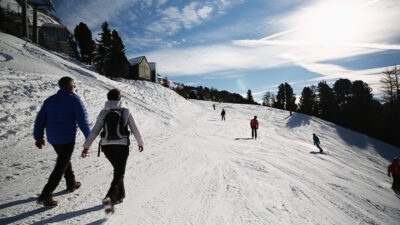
84	152
140	148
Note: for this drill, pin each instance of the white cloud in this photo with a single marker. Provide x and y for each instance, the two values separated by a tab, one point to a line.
174	19
161	2
205	11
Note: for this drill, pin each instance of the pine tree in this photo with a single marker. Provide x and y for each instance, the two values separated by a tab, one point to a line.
280	97
103	49
250	97
342	88
327	105
85	41
290	98
285	99
307	101
117	65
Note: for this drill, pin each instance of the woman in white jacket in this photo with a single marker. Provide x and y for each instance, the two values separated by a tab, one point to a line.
116	150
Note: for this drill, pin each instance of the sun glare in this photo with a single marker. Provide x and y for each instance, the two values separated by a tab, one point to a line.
337	22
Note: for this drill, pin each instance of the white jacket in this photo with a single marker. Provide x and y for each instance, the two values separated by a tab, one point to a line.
127	116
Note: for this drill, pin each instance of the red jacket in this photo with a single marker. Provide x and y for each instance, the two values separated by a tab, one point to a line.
254	123
394	169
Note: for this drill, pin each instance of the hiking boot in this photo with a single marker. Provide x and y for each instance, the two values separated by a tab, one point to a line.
77	185
47	201
108	205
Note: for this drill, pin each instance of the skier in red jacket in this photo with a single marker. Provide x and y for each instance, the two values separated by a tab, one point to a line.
394	169
254	127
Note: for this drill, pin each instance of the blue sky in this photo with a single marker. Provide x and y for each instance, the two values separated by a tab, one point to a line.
237	45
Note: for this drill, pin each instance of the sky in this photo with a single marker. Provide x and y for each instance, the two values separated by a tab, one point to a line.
236	45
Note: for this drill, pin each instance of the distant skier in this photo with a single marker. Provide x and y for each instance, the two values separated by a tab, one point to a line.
114	119
60	114
223	114
254	127
317	143
394	169
214	106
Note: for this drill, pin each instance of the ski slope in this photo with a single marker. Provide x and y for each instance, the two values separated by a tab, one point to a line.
195	169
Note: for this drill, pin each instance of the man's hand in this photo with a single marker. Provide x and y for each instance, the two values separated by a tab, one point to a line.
140	148
84	152
39	143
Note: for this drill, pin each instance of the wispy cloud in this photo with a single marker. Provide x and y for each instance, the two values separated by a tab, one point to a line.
173	19
93	12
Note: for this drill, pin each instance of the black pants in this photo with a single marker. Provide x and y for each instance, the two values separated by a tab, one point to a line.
254	132
63	167
319	147
222	117
117	155
396	182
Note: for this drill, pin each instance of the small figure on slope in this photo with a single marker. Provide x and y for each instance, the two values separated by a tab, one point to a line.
394	169
114	120
223	114
214	106
59	115
254	127
317	143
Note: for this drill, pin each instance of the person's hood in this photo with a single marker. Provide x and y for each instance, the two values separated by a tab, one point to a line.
113	105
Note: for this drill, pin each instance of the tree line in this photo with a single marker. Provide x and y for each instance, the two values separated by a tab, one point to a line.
210	94
349	104
107	54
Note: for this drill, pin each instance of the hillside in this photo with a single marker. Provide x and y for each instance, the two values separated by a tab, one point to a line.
195	169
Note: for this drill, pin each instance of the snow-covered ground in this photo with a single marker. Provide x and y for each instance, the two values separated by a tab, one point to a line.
195	169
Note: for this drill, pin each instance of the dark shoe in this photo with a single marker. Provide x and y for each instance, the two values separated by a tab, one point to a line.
77	185
47	201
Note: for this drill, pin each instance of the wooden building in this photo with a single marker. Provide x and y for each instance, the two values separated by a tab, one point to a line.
139	69
154	72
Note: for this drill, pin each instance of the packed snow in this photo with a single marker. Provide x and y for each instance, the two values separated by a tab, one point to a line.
195	168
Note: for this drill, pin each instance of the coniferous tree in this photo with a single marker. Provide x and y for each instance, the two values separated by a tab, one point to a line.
117	64
327	106
85	41
307	101
103	49
250	97
342	88
280	97
362	108
290	98
285	99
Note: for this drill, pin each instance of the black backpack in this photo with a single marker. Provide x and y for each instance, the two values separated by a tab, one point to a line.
114	127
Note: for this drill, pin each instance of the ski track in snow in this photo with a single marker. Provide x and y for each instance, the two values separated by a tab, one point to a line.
195	169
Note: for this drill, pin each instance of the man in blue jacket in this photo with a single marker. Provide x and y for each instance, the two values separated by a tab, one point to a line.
60	115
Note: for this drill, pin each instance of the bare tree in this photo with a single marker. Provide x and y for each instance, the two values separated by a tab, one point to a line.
391	86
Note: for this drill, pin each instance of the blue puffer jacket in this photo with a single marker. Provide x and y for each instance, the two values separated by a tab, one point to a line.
60	114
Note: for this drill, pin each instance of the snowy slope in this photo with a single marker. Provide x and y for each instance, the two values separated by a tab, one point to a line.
195	169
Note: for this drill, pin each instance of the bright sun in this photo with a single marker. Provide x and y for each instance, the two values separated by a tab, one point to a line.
336	22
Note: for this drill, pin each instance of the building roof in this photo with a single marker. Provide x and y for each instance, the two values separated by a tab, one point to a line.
136	60
47	3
